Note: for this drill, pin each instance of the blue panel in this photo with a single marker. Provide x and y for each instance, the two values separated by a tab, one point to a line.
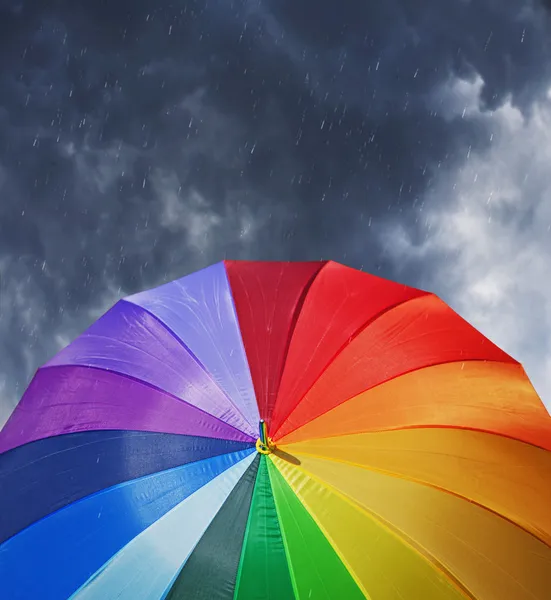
52	558
44	476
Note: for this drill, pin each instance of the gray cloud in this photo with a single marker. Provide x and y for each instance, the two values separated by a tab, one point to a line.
142	140
490	242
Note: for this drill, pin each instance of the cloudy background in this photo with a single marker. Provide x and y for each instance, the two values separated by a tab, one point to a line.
141	140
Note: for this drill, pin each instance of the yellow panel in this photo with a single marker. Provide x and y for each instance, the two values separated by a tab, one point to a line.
491	557
490	396
384	565
509	477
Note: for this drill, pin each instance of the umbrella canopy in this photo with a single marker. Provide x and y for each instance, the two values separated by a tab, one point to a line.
277	431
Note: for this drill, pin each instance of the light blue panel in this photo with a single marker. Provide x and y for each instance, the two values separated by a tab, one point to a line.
146	568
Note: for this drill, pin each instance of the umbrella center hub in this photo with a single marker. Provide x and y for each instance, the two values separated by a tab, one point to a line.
264	444
264	448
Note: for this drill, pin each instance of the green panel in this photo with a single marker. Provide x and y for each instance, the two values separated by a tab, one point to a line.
211	570
263	572
317	570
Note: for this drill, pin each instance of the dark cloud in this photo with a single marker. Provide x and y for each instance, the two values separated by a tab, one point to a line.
141	140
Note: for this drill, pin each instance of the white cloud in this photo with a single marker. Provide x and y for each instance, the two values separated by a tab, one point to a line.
188	211
457	97
100	167
489	226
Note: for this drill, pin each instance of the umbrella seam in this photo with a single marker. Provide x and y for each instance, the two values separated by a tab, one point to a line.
401	536
149	385
377	385
351	338
425	484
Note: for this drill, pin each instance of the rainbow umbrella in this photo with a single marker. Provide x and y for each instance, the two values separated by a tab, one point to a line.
277	431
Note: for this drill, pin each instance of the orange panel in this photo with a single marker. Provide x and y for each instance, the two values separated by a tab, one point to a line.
494	397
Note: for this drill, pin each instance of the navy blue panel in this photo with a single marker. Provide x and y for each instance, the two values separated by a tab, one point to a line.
43	476
53	557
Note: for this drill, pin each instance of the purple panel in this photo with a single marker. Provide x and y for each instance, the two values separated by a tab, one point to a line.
70	399
129	340
199	309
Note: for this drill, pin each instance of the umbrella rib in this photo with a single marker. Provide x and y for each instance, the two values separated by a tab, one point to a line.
402	537
360	330
419	482
338	554
408	372
422	426
149	385
294	321
193	356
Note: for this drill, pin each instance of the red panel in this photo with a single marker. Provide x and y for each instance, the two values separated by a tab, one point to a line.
416	334
268	297
339	304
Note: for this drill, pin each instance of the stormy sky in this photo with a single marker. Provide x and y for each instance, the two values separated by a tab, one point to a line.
141	140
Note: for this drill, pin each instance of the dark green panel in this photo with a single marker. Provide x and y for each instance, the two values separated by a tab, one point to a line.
263	572
211	570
